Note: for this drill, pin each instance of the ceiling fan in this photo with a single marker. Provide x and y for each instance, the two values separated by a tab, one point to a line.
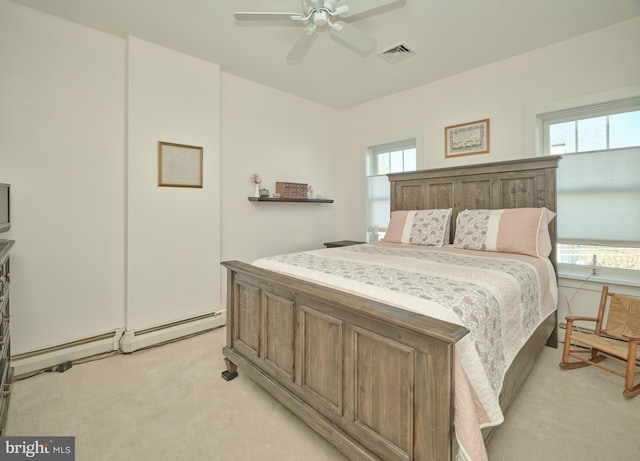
324	14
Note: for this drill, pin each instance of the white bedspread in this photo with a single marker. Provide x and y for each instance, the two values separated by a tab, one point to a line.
500	298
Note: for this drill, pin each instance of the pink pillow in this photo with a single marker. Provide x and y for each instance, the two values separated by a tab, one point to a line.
419	227
512	230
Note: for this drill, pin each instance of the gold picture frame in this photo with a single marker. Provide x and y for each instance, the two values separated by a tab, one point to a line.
467	138
179	165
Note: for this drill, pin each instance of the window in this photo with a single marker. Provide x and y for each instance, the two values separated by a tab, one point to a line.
394	157
598	186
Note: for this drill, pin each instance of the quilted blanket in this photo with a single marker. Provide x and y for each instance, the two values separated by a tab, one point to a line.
500	298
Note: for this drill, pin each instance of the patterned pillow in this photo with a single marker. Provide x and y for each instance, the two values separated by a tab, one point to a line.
512	230
419	227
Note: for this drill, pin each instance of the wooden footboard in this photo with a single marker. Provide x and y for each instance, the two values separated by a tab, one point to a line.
375	381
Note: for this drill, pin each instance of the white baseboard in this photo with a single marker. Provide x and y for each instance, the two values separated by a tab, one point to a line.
132	340
125	340
53	356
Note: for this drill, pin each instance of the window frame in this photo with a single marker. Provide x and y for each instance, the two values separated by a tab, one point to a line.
581	113
372	152
545	120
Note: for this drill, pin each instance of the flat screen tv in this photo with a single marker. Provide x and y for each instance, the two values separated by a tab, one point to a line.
5	207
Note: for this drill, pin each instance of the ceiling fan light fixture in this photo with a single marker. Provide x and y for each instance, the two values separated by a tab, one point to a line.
320	17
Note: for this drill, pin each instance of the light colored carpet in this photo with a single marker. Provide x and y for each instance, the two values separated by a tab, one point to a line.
170	403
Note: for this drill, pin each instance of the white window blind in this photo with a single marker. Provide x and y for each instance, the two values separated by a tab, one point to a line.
379	204
599	198
598	186
393	157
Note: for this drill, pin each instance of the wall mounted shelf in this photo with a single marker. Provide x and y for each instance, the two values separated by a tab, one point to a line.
302	200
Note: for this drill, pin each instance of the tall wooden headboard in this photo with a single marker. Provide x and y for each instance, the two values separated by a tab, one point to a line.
513	184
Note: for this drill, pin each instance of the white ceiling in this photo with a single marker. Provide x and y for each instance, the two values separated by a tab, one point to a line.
449	37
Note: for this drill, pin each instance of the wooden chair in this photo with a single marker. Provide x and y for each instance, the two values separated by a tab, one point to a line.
618	338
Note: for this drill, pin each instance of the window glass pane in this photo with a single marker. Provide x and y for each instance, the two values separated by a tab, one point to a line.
396	159
410	161
562	138
610	257
624	130
383	163
592	134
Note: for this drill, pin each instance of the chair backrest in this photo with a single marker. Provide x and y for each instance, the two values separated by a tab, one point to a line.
623	316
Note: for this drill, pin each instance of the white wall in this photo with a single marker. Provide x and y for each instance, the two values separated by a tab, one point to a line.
283	138
84	172
591	68
173	233
505	92
61	148
100	247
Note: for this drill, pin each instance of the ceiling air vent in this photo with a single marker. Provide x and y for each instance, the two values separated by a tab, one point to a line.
397	52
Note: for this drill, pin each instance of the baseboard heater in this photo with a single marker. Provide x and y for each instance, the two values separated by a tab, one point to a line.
46	358
132	340
563	325
120	339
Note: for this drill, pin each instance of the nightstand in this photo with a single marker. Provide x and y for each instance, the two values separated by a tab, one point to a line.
342	243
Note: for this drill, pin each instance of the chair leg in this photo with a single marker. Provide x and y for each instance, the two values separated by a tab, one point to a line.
629	389
566	350
567	344
567	347
631	392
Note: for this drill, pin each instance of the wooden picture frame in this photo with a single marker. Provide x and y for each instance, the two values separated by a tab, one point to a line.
179	165
467	138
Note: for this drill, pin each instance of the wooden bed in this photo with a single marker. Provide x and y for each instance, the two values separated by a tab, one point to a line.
306	344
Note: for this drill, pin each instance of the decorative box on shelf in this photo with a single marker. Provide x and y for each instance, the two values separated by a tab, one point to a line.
292	189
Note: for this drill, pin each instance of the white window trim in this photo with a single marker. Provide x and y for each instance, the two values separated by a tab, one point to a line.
533	122
390	141
605	276
583	112
543	119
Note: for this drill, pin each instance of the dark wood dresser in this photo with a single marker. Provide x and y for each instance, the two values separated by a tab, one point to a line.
6	371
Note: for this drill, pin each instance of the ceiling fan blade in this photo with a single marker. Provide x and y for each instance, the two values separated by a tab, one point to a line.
261	16
308	4
360	6
302	45
353	37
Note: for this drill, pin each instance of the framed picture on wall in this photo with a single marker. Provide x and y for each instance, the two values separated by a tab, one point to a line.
467	138
179	165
